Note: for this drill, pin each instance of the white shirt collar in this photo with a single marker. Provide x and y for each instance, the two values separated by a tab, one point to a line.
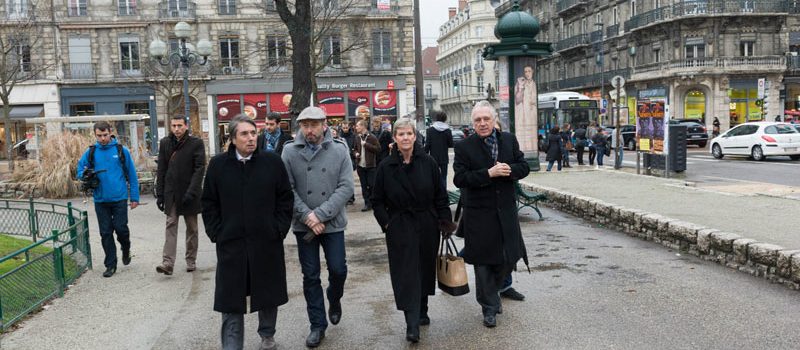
240	158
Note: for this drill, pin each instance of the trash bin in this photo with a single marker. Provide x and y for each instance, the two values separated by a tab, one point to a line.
677	152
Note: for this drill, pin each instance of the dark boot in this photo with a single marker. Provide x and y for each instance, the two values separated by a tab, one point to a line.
424	320
412	326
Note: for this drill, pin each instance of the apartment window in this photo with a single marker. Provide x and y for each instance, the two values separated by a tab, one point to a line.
381	49
428	90
129	53
747	48
332	51
16	9
695	48
126	7
633	8
229	54
615	14
270	5
656	56
656	4
76	8
584	26
480	83
80	58
178	8
81	109
276	51
598	19
478	31
22	56
330	4
227	7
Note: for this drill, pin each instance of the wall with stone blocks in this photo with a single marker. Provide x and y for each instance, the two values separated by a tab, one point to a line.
772	262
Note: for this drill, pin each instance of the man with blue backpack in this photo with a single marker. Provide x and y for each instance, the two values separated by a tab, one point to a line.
107	170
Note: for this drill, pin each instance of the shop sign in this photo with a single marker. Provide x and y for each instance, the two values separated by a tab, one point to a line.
255	106
228	106
650	93
279	103
383	5
358	104
384	103
332	103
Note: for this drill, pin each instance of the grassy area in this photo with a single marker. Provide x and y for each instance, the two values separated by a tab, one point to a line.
9	244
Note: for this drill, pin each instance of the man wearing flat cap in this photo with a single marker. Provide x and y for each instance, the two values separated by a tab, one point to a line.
321	176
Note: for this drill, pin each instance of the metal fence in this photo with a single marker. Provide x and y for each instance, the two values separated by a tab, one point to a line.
58	254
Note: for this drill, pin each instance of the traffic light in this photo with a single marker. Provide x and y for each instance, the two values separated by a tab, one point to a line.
455	84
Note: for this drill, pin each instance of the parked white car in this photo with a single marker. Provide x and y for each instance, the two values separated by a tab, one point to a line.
758	140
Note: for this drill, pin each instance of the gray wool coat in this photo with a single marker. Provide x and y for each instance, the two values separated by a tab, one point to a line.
322	181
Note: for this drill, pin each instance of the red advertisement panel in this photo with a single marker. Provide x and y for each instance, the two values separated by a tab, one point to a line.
228	106
279	102
255	106
384	103
358	104
332	103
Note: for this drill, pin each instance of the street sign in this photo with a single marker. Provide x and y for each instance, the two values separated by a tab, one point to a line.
762	88
617	80
602	111
605	103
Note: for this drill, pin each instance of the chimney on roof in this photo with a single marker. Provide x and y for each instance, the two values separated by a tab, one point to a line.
451	12
462	4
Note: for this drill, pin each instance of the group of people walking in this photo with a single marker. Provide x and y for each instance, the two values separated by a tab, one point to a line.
267	184
561	140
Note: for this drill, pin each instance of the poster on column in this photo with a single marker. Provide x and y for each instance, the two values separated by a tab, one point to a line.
332	103
651	124
279	103
255	106
358	105
384	104
525	104
228	106
503	97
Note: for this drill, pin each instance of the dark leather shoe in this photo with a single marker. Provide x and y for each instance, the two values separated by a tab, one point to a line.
335	312
490	321
315	338
366	209
191	268
512	294
412	334
424	320
167	270
126	258
110	271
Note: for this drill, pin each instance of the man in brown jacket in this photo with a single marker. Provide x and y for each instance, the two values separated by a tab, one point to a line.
366	152
181	165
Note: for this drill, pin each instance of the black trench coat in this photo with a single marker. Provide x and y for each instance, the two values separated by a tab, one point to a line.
408	202
247	210
489	219
555	144
181	176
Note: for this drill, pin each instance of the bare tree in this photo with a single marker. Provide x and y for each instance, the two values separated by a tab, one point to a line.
20	33
320	37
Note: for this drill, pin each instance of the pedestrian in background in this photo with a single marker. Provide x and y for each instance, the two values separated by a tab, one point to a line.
590	132
600	143
555	144
486	166
409	203
366	155
272	138
580	142
384	137
566	145
181	166
715	129
440	140
247	207
322	180
349	137
112	165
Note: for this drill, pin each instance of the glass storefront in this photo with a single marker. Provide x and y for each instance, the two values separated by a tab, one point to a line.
695	105
743	106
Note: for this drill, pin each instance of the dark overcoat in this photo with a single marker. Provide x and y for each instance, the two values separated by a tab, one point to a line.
262	141
489	220
181	165
555	144
438	143
408	201
247	209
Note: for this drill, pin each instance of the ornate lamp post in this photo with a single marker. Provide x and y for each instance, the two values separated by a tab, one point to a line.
186	56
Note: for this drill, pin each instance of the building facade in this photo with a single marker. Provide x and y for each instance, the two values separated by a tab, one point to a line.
465	77
98	60
431	81
705	56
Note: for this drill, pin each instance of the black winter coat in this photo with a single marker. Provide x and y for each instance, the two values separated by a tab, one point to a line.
489	219
408	202
555	145
262	141
438	144
247	209
180	173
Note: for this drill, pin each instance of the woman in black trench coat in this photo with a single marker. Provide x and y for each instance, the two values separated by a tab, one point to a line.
409	202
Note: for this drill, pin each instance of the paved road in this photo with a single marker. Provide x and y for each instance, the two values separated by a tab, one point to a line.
590	288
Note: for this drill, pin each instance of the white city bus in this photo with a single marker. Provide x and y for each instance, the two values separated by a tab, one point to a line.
558	108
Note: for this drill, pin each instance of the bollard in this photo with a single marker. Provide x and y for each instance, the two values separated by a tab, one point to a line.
32	219
58	265
73	232
87	246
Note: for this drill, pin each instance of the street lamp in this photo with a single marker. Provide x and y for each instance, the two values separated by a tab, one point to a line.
598	46
186	56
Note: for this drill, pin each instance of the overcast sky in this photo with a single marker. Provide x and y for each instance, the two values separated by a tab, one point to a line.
434	14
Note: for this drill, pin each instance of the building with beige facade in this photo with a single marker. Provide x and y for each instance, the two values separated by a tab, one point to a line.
465	77
705	56
96	53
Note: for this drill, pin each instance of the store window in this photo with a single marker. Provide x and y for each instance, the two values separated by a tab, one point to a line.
743	106
137	107
695	105
81	109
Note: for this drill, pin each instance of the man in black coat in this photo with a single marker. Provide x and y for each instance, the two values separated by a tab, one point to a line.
181	164
272	138
247	209
486	166
439	141
382	132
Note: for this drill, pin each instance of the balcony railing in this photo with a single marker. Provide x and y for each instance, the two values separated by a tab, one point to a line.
79	71
612	31
596	36
648	17
690	8
588	80
793	63
565	5
573	42
726	64
177	9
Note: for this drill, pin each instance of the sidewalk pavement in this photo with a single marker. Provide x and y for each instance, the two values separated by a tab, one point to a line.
751	213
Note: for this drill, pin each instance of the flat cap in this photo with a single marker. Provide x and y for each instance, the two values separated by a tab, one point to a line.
311	113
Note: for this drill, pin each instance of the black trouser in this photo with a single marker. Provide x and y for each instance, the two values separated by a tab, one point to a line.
233	327
488	281
443	173
579	151
413	316
367	178
592	154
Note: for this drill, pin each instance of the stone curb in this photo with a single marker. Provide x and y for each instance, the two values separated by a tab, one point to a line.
772	262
